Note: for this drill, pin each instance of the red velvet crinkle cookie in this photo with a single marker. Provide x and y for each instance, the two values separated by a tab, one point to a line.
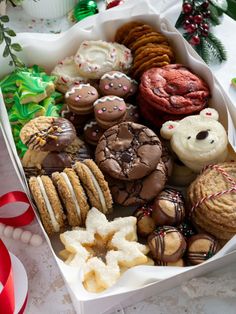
128	151
174	89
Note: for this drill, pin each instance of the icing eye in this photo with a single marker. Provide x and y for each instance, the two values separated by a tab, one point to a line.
115	107
104	109
212	141
111	84
188	138
120	85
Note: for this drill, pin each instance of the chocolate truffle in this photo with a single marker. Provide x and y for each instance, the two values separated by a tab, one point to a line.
201	247
145	223
128	151
166	244
168	208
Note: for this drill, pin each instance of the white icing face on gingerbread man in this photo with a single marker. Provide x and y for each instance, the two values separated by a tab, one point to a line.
118	84
197	140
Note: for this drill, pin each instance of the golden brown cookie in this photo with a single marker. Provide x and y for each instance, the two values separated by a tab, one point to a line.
95	185
152	37
148	64
48	203
150	45
72	195
212	200
136	33
152	64
122	32
159	50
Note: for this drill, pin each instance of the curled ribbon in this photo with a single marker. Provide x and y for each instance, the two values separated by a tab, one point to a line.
20	220
7	295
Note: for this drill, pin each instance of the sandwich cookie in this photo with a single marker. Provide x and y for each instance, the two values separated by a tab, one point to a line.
48	203
72	195
95	185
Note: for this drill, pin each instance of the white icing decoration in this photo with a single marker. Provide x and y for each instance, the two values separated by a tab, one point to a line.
75	88
97	187
48	205
90	124
107	98
70	187
115	75
129	106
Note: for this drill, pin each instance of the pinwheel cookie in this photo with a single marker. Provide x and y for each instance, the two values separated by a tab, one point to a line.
103	249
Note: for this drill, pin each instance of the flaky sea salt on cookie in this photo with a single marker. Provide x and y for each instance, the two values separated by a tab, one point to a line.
67	74
103	249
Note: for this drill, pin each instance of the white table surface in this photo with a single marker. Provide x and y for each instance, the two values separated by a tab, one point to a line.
214	293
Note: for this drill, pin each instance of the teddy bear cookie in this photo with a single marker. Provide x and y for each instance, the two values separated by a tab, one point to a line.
118	84
80	98
197	140
109	110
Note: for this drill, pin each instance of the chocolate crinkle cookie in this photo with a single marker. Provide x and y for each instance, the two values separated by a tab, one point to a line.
128	151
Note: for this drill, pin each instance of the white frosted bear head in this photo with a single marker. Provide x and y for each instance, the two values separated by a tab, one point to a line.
197	140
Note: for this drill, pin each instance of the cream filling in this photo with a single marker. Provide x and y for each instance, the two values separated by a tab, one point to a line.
48	205
70	187
97	187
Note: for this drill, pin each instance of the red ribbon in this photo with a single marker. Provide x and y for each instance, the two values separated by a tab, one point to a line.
7	296
7	300
20	220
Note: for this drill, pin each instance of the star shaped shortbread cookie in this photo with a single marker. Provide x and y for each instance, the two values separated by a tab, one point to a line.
104	249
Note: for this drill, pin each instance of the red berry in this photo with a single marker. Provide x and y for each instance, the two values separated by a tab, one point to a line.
198	19
207	13
191	28
195	40
190	17
205	32
205	26
187	8
186	24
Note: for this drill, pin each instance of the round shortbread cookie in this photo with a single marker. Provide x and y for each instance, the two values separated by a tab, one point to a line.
94	58
67	74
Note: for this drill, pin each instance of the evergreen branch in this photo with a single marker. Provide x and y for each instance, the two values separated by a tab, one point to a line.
214	17
216	48
231	11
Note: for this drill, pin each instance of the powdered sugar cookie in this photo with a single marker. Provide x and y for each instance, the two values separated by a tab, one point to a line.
94	58
67	74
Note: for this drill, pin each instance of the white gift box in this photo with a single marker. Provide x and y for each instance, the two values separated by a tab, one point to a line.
46	50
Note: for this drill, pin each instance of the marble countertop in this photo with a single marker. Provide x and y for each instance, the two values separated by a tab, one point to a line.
214	293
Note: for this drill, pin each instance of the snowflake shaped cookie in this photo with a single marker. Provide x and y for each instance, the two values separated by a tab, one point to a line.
104	249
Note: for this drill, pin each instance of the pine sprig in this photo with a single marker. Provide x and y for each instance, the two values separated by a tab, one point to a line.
214	17
217	48
6	35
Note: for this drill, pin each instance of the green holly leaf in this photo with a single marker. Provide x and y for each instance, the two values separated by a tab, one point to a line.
231	11
1	38
220	4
